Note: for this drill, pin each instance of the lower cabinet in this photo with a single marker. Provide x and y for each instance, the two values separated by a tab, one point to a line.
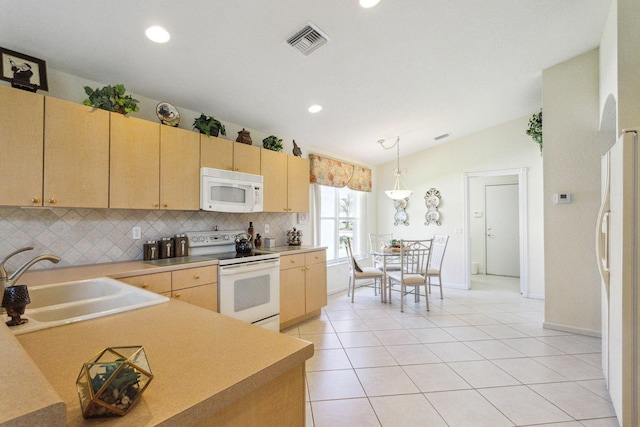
159	283
197	286
303	286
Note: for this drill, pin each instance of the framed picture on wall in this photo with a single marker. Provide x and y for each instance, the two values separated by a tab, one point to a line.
23	71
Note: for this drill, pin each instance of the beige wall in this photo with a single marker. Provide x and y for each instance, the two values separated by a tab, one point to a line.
628	55
498	148
572	150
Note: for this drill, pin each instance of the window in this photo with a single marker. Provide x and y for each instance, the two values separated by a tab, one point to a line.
341	215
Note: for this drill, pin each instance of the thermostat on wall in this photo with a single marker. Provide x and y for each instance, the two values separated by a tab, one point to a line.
562	198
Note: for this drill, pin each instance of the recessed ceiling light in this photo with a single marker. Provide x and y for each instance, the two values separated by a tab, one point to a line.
315	108
368	3
157	34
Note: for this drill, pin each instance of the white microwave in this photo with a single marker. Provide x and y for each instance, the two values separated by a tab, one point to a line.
228	191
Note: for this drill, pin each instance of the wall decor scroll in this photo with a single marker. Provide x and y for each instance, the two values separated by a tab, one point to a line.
401	216
432	200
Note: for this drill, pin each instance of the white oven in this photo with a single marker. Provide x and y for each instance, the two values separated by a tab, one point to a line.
248	284
250	291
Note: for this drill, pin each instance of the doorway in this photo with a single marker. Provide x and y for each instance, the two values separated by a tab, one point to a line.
502	251
472	237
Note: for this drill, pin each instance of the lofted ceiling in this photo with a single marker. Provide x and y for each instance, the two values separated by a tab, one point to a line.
413	68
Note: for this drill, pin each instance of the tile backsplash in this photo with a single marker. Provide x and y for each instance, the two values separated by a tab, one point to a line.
92	236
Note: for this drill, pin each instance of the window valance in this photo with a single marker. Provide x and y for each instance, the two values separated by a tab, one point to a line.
336	173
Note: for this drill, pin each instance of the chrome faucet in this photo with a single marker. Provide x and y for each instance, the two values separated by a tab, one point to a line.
10	280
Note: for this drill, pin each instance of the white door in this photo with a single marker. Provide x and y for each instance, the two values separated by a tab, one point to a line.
502	230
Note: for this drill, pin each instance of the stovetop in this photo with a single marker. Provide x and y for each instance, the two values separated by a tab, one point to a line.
220	245
227	258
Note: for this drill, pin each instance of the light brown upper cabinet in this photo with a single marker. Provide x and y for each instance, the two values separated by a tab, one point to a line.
135	163
298	184
274	171
286	182
179	169
246	158
225	154
76	155
21	142
216	152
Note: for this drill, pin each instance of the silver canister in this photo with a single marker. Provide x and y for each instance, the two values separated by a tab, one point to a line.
181	245
150	250
166	248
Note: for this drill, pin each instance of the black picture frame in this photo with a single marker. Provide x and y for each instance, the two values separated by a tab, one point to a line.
23	71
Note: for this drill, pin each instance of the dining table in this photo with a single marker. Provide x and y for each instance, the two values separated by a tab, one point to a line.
389	257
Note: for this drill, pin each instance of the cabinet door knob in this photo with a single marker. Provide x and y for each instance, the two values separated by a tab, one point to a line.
145	285
293	261
176	295
52	201
165	205
35	200
196	276
155	205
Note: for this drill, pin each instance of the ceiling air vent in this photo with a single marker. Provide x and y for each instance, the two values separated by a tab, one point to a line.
307	39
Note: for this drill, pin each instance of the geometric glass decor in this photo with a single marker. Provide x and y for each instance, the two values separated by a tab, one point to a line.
111	382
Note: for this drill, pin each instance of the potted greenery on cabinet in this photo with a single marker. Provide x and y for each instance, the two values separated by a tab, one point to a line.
210	126
272	143
111	98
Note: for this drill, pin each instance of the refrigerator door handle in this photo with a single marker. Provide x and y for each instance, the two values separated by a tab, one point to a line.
602	227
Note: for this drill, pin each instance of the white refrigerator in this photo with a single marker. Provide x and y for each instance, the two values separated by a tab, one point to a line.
618	250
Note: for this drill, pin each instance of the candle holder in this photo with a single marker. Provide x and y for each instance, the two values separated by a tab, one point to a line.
15	300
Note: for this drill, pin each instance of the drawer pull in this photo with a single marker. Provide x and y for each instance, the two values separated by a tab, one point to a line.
196	276
317	257
293	261
176	295
145	285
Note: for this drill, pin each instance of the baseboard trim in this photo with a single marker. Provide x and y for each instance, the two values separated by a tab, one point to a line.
572	329
535	296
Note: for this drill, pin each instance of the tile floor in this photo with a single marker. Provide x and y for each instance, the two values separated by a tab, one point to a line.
478	358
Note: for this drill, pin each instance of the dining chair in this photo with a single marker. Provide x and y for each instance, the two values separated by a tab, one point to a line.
378	242
435	261
359	273
414	259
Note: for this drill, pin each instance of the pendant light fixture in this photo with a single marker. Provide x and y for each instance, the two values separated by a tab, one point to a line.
400	190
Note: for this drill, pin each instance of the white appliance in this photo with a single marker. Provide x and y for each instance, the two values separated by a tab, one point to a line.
618	251
248	283
229	191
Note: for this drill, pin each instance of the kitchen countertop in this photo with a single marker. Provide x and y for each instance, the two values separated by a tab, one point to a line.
288	250
236	359
201	361
136	268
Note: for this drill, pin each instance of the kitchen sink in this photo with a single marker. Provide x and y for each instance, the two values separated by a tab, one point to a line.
63	303
60	293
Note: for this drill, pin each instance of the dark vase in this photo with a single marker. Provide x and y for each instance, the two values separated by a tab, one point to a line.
244	136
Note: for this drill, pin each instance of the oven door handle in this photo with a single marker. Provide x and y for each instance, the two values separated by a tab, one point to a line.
248	267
